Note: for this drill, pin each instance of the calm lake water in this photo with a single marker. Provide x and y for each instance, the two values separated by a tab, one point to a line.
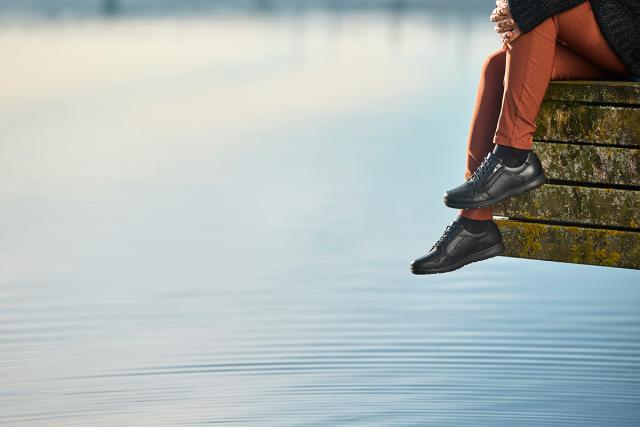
207	217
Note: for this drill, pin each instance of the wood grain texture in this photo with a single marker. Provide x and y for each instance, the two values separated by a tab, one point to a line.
595	92
575	204
564	121
589	163
579	245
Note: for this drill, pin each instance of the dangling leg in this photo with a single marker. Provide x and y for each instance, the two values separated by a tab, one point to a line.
484	119
473	236
527	71
567	64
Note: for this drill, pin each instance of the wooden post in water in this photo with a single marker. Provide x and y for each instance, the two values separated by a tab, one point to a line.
588	139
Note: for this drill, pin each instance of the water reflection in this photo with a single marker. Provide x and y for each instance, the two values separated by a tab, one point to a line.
209	219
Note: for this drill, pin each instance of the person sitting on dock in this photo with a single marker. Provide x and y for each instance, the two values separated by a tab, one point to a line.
541	41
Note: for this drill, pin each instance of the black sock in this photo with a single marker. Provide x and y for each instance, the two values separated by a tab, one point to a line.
510	156
473	225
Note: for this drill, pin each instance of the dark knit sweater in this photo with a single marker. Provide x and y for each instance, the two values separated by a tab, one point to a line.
619	21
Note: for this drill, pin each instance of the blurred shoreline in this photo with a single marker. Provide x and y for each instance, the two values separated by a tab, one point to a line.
26	10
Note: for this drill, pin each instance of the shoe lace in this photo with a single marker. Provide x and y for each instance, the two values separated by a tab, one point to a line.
448	233
485	169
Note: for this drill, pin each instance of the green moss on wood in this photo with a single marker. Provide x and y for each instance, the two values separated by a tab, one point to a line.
571	244
589	163
574	204
597	92
593	124
587	118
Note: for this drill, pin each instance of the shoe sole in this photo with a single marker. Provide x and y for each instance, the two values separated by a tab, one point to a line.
527	186
478	256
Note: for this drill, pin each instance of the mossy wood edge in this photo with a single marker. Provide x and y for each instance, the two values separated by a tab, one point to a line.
575	204
595	92
580	245
589	163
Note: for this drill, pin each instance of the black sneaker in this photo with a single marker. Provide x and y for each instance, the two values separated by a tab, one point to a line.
493	182
458	247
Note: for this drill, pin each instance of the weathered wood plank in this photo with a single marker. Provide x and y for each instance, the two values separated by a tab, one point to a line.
586	132
594	124
595	92
589	163
574	204
571	244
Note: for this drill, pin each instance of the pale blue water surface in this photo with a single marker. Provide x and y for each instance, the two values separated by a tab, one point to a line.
208	214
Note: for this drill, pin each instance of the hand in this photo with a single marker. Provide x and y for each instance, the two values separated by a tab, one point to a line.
500	12
505	26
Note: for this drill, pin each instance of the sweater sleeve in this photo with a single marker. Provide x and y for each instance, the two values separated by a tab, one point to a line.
528	14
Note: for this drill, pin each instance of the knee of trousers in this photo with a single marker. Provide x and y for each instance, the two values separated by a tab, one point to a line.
494	65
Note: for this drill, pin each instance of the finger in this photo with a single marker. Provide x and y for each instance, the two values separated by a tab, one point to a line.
514	35
504	10
499	11
504	25
505	45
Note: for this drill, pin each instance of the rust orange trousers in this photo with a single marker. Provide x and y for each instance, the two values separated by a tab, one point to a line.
567	46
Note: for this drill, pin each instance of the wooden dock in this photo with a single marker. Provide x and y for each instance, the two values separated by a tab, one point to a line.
588	212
